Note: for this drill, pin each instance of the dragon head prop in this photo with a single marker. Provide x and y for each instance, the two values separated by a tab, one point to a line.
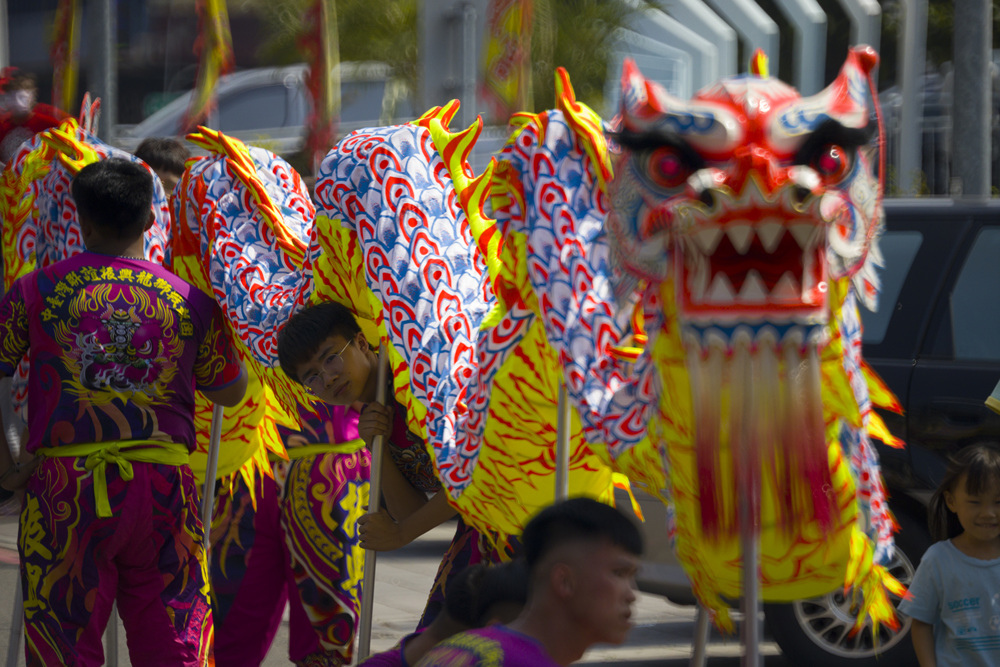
752	198
752	207
753	214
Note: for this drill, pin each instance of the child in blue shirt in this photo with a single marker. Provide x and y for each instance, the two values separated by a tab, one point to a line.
954	598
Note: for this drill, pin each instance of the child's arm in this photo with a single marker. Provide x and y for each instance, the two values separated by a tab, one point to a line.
401	498
922	635
380	533
408	514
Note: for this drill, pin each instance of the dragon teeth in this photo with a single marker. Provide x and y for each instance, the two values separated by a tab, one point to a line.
787	289
721	291
770	234
708	239
806	235
753	291
740	236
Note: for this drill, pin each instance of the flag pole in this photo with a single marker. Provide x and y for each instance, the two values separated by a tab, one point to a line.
208	495
375	494
563	423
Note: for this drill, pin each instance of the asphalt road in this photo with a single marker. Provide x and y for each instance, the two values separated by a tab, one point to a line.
662	636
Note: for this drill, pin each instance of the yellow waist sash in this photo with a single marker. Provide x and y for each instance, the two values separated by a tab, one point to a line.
315	448
100	454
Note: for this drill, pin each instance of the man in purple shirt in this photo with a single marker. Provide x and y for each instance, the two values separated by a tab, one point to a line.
582	557
116	347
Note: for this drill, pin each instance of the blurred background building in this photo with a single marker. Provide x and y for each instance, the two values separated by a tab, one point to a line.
436	50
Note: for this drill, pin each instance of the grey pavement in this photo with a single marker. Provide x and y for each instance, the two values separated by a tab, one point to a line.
662	636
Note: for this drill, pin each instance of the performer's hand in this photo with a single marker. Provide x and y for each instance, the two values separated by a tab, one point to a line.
379	532
375	419
16	477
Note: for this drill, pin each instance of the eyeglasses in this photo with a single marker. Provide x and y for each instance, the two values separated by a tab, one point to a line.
332	365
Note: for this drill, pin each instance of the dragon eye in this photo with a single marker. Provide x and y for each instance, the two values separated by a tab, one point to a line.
832	162
666	167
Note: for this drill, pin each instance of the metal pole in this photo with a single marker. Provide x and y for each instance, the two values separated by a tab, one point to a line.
111	638
912	65
752	630
16	627
211	470
470	63
699	657
563	425
4	35
107	68
748	491
374	497
971	97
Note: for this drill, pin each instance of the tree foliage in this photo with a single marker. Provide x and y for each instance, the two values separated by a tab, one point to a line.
575	34
383	30
940	27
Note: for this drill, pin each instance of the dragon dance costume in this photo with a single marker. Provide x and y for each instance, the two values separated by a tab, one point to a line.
116	347
304	525
40	228
708	247
738	231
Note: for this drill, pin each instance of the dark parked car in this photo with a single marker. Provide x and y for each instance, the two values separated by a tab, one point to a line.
935	340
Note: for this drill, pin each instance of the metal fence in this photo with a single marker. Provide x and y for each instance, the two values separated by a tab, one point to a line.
935	123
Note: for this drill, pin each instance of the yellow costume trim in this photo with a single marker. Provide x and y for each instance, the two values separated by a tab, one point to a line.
101	454
243	166
316	448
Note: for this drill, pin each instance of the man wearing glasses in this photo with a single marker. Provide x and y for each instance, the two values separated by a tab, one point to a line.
323	348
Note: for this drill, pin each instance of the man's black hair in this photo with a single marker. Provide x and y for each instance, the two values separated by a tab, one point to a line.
577	519
163	154
306	330
504	582
114	195
18	79
461	597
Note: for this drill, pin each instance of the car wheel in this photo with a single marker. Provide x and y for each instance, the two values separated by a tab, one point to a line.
818	631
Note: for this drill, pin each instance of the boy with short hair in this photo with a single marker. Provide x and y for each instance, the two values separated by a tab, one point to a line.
166	156
117	346
323	348
582	557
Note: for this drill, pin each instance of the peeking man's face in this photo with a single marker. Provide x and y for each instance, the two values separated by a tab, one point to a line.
18	103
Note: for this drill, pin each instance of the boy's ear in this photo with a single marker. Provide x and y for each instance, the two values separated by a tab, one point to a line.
362	342
562	580
86	229
150	220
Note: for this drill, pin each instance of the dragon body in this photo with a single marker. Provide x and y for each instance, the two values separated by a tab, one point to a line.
693	279
691	276
740	230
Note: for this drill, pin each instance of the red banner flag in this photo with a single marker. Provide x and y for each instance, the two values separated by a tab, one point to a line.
321	44
214	48
506	80
65	54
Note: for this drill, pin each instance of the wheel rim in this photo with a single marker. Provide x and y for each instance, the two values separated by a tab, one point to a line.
828	620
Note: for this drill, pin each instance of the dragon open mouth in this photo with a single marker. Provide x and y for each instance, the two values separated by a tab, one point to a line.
751	267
